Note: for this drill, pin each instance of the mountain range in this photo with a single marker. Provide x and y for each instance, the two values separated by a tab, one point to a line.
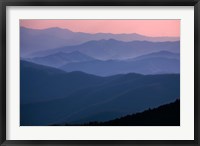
77	78
153	63
113	49
36	40
51	96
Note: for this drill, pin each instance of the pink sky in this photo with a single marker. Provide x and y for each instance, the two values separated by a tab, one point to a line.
144	27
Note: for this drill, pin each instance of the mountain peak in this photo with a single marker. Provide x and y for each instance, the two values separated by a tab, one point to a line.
58	29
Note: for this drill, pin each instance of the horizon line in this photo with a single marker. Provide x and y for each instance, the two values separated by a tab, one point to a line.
99	32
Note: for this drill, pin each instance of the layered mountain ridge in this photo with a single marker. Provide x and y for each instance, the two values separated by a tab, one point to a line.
51	96
36	40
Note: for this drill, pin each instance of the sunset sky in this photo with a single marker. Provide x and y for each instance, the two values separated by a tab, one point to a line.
145	27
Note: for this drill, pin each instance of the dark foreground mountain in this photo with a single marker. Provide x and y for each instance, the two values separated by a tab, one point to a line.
165	115
51	96
41	83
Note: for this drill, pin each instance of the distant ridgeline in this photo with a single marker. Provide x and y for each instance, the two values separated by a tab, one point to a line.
165	115
35	42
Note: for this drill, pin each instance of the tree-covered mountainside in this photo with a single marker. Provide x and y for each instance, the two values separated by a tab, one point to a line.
165	115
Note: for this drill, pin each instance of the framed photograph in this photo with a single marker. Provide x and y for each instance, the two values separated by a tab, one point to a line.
99	72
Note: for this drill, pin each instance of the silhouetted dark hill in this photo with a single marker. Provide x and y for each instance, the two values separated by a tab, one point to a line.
50	96
42	83
165	115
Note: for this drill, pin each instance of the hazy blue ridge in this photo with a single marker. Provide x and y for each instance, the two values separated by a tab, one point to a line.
34	40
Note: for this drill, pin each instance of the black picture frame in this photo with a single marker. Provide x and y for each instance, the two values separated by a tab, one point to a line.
5	3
